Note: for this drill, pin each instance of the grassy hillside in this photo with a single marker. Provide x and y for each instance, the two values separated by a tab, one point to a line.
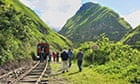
133	38
20	31
116	60
91	20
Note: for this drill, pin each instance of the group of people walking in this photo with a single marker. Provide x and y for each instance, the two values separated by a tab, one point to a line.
66	58
55	56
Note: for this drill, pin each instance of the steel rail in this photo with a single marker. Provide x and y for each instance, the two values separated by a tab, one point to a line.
10	72
39	79
23	75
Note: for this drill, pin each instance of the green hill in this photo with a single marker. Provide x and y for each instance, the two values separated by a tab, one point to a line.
91	20
133	38
20	31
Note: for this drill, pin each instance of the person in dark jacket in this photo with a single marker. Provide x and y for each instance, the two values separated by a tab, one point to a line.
50	57
57	56
42	55
80	59
64	57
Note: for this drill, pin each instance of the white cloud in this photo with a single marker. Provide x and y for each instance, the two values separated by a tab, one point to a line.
133	18
85	1
54	12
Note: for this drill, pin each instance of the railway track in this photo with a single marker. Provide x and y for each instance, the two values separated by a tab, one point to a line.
35	75
13	74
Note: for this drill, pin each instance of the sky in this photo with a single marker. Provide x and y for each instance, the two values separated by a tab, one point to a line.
55	13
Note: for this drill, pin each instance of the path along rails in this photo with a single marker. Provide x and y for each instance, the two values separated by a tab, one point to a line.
35	75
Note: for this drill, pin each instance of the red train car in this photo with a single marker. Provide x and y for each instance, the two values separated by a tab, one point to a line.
43	48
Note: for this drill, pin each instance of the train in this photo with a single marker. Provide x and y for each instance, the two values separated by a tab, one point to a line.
43	50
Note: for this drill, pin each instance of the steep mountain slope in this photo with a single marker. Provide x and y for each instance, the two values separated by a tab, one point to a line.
133	38
20	31
91	20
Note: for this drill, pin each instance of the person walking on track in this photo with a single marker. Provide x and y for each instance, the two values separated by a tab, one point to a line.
42	55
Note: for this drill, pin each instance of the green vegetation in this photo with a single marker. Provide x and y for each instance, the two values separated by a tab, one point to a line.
105	61
91	20
116	60
20	31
